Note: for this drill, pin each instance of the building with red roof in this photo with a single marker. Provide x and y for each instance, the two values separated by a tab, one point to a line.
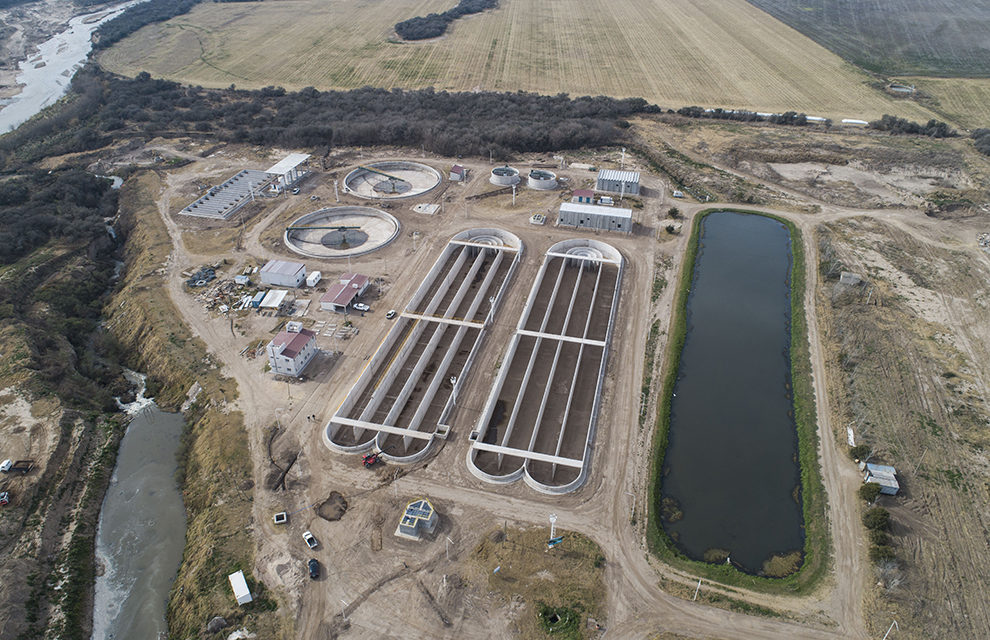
292	350
340	296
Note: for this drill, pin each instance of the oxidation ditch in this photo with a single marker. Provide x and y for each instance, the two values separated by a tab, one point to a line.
731	479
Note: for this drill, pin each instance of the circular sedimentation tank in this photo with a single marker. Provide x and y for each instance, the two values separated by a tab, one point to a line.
341	232
391	179
542	180
505	176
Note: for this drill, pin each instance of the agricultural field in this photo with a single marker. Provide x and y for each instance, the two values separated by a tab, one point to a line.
965	101
674	53
923	37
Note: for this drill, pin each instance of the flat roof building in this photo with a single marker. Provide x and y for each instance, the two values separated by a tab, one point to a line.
593	216
286	171
240	587
341	295
282	273
419	517
615	181
882	475
291	350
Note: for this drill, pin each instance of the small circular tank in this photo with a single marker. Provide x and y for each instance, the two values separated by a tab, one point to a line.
542	180
504	176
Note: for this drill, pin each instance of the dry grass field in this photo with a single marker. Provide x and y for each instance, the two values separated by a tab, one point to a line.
672	52
964	100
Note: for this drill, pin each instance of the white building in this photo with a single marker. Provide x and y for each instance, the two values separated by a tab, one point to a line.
621	182
340	296
291	350
597	217
282	273
313	279
240	587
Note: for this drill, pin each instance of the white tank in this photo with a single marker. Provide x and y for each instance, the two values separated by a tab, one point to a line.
542	180
504	176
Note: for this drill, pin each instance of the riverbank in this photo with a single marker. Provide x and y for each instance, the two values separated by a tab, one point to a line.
214	463
813	495
22	29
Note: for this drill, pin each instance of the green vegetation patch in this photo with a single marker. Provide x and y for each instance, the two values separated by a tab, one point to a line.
816	543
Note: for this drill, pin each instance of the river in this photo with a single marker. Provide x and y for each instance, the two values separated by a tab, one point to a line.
731	475
47	73
142	527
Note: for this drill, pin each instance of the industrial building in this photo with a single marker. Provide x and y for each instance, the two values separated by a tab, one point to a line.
282	273
419	517
286	172
292	350
583	195
594	216
340	296
621	182
458	173
882	475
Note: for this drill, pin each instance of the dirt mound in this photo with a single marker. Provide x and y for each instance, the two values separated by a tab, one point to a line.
332	508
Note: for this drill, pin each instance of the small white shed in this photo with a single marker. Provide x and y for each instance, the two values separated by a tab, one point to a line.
313	278
240	587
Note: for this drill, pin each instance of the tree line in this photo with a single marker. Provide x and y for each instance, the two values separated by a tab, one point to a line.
447	123
893	124
435	24
137	16
741	115
981	138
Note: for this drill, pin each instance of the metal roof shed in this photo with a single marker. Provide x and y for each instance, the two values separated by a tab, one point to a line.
240	587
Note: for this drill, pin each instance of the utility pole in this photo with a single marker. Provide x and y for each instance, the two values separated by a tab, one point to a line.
553	525
336	194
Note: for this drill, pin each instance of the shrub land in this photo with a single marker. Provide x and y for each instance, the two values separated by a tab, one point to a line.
435	24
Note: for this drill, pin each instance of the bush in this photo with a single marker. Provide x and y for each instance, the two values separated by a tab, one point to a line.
859	452
882	553
869	491
877	519
879	538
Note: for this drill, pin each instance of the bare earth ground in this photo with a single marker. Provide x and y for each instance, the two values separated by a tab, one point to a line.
372	579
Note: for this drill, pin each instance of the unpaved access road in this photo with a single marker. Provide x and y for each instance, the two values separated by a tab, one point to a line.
637	607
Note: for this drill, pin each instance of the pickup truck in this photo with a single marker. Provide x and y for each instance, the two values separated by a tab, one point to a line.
20	466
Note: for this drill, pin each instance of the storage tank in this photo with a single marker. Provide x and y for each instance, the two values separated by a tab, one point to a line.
542	180
505	176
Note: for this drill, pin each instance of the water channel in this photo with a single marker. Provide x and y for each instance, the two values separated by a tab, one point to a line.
142	528
47	73
731	477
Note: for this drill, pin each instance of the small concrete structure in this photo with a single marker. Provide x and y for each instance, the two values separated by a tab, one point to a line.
504	176
850	278
240	587
291	350
282	273
614	181
586	196
286	172
593	216
458	173
341	295
882	475
419	517
313	279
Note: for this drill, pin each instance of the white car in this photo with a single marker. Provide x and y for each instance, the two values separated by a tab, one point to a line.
310	540
391	314
6	465
360	306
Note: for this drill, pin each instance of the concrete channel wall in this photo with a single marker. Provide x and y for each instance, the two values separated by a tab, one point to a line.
540	418
393	405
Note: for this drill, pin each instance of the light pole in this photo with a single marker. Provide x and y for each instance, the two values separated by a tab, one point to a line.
553	527
633	495
449	542
343	609
453	383
491	309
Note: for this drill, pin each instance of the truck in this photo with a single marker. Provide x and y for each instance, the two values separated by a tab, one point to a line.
20	466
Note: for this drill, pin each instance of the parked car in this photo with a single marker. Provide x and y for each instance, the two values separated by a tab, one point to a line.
314	569
360	306
4	498
391	314
310	539
295	191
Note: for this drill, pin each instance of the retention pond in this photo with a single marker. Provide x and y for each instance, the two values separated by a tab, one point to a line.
731	479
